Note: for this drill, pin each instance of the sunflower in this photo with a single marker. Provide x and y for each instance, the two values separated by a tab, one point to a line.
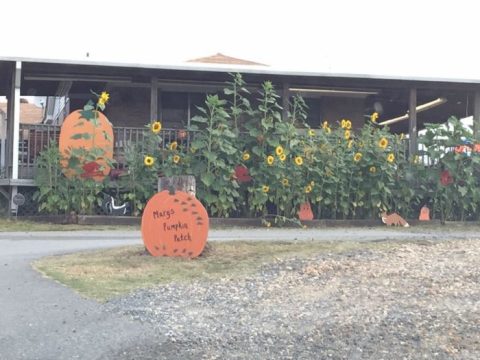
325	124
279	150
311	132
285	182
173	146
347	134
265	188
270	159
282	157
350	144
373	169
374	117
357	157
391	158
328	130
246	156
343	123
103	98
308	189
156	127
348	124
148	161
176	159
299	160
312	183
383	143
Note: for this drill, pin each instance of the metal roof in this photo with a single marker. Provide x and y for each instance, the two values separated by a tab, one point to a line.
247	69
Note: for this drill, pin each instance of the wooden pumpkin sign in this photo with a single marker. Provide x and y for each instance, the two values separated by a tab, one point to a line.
305	212
71	137
174	224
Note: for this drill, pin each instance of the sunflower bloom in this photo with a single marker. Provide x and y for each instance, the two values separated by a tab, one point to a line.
343	123
374	117
350	144
156	127
308	189
299	160
282	157
348	124
285	182
173	146
246	156
265	188
279	150
357	157
148	160
270	159
176	159
372	169
383	143
391	158
311	132
328	130
312	183
103	98
347	134
325	124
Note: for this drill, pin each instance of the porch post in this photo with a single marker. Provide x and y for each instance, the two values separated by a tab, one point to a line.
154	99
476	116
13	129
412	128
285	98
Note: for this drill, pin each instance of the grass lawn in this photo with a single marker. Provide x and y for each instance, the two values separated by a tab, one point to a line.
23	225
106	273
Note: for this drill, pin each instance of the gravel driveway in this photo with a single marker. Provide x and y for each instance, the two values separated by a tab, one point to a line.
413	301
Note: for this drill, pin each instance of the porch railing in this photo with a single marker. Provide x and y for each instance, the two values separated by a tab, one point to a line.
34	138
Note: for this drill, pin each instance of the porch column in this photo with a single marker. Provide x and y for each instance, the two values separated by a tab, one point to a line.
154	99
476	116
412	128
285	98
13	129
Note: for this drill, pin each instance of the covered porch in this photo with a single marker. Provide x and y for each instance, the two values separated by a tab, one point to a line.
142	93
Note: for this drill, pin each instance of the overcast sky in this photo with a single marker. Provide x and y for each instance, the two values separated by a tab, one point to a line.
408	38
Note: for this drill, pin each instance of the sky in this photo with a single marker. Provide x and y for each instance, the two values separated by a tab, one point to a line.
396	38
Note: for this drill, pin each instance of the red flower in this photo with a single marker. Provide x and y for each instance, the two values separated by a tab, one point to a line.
91	169
242	174
445	178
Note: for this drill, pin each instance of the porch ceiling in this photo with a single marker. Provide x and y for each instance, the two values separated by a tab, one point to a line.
43	79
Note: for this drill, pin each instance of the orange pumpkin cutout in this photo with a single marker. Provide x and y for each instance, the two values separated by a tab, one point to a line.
305	212
424	214
174	225
100	137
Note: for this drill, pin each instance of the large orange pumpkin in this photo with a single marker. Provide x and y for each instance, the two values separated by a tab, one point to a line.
174	225
99	137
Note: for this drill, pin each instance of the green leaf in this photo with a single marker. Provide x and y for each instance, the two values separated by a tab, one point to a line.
207	179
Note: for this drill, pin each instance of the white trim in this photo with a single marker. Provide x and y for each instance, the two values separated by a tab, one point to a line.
16	118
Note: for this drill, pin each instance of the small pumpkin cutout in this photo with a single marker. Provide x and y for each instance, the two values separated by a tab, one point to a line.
424	214
305	212
98	137
174	225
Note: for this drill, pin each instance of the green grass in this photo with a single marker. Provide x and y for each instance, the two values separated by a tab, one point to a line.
107	273
23	225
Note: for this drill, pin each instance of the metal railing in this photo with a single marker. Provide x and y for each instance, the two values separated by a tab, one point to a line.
35	138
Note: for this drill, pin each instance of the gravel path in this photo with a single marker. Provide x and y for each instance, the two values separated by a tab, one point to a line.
416	301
